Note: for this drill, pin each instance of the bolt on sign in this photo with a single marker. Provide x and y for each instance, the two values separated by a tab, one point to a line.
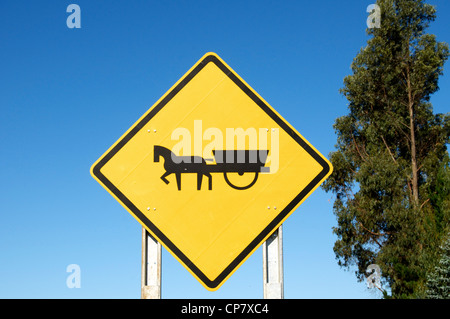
211	170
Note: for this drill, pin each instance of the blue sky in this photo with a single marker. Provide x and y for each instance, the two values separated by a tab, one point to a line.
66	95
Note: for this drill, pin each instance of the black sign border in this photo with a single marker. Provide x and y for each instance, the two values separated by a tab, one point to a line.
213	284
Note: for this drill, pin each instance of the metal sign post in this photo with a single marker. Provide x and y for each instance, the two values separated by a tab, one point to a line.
151	267
273	266
273	287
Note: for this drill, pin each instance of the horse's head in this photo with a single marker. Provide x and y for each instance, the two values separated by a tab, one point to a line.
156	153
160	151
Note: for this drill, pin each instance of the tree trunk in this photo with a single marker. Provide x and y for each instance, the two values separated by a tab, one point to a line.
415	183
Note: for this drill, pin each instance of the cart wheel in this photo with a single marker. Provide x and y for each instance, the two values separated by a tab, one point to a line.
241	187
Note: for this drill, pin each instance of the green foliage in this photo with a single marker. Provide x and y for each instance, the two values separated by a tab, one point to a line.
438	281
385	214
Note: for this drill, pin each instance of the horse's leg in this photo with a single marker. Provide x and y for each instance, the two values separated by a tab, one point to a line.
209	180
199	181
164	177
178	176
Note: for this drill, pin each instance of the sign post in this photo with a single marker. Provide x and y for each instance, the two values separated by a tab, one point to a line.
273	266
151	267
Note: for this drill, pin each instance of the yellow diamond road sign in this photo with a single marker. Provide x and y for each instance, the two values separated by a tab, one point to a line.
211	170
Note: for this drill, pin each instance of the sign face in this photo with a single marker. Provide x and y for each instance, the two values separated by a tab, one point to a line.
211	170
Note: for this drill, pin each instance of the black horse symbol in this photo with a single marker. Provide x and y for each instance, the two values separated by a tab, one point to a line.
182	164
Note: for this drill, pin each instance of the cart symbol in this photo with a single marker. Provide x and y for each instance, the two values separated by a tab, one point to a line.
227	161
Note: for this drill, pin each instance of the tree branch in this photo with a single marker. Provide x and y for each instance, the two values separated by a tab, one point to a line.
374	233
424	203
387	147
357	148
